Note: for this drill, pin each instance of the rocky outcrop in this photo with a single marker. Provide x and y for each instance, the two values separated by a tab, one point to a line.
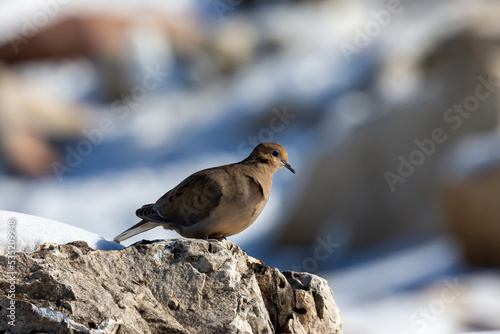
170	286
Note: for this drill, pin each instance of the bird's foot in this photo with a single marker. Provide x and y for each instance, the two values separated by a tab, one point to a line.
219	237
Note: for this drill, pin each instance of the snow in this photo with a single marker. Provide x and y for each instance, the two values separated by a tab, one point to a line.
56	316
26	232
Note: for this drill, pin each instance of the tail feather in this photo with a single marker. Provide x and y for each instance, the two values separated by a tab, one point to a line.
140	227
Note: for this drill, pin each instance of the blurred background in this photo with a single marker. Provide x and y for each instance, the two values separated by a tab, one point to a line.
388	109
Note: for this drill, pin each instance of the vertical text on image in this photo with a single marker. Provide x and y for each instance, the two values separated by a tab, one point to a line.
11	264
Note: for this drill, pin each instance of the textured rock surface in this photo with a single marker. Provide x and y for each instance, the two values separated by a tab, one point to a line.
172	286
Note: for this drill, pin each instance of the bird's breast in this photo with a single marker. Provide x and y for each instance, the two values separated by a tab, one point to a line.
235	213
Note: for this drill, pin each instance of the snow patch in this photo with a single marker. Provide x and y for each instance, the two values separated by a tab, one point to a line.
109	325
56	316
23	233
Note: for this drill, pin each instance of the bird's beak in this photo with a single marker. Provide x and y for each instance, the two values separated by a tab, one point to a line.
288	166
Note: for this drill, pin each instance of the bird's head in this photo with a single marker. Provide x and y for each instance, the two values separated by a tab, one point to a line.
272	154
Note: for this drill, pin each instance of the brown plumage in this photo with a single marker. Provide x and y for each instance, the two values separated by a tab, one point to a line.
216	202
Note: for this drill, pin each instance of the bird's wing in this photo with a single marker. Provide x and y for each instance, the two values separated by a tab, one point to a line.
147	212
192	200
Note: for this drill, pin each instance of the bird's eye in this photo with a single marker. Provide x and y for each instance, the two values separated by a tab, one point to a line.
275	153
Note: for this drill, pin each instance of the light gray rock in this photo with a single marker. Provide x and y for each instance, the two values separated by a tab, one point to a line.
171	286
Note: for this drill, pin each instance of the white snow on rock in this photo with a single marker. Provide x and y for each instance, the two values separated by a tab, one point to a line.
26	232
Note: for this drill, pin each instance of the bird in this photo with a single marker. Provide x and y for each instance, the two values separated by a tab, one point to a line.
217	202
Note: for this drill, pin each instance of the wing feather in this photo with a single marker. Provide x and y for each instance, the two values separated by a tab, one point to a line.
190	202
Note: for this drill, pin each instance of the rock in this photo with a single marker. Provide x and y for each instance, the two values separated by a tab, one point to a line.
469	194
31	120
170	286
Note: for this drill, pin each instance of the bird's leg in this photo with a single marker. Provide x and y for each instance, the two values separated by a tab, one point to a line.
219	237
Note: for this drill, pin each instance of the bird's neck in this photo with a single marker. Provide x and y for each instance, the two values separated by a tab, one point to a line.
262	172
262	165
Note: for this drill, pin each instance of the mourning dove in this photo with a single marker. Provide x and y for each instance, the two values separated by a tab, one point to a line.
216	202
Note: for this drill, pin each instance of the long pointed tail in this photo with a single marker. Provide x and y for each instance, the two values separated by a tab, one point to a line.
140	227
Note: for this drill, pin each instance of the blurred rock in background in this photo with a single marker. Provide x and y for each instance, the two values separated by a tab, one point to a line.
470	193
379	182
30	120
